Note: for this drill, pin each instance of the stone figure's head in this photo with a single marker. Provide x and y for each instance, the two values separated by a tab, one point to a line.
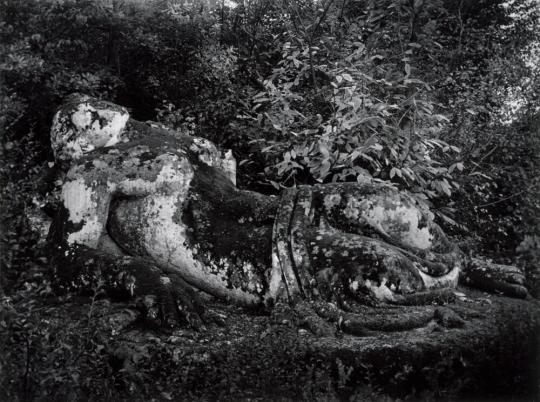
83	124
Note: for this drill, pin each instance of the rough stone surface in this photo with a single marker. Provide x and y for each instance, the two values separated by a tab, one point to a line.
168	201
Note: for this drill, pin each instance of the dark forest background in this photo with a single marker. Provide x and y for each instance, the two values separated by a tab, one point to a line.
440	97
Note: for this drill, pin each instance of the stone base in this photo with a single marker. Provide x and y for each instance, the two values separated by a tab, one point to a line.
494	356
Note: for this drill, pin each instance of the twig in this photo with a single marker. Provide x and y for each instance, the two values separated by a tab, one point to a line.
461	29
342	9
312	37
501	200
27	368
489	153
482	159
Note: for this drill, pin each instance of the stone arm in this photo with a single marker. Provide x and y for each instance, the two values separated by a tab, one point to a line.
205	151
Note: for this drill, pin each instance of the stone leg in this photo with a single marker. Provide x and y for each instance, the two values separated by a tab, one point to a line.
381	212
365	269
363	284
81	265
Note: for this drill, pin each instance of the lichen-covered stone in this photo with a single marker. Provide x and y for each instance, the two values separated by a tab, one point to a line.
169	202
83	124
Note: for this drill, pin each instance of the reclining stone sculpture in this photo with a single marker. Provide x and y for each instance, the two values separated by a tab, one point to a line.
152	213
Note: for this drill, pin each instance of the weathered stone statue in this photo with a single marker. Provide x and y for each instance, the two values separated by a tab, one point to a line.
153	213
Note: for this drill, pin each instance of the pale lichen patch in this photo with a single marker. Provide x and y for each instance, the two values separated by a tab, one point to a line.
165	280
85	126
78	200
400	221
331	201
380	292
352	209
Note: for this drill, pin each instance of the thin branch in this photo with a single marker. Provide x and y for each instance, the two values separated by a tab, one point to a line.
460	23
489	153
501	200
342	9
323	16
310	42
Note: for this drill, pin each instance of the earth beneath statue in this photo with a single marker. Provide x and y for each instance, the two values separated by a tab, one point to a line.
154	214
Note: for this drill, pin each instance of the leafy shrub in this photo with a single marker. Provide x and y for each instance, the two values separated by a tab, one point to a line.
337	107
